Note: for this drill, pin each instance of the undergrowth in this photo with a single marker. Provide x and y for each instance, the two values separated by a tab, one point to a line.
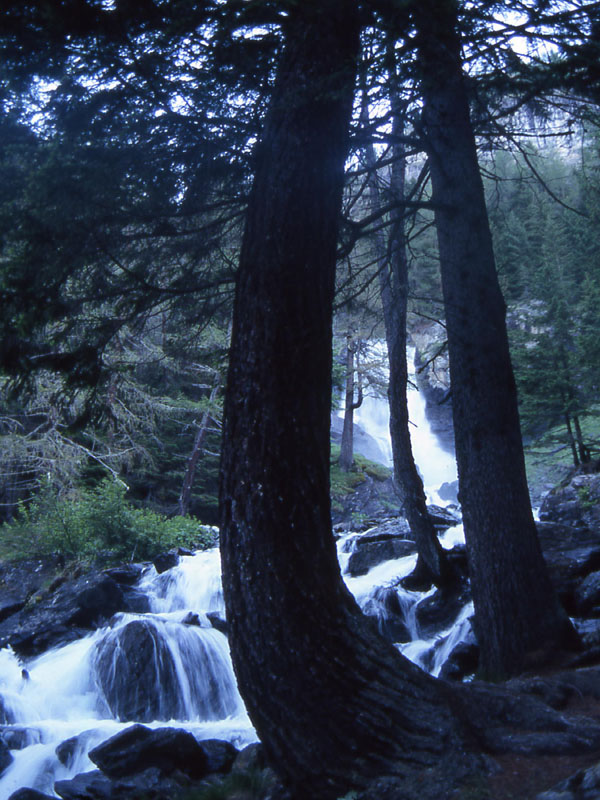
89	522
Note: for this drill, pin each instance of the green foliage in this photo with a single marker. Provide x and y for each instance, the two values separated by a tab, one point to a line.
98	521
343	483
249	785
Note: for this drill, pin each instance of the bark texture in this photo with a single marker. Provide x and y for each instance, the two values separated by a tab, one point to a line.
333	704
518	618
432	565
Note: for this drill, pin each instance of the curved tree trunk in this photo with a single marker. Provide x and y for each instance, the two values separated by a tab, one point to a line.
333	703
517	616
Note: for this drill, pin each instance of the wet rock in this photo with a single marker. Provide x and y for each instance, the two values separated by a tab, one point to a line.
19	738
166	561
137	669
137	674
218	623
220	755
76	607
587	595
462	661
191	618
29	794
386	608
443	518
374	548
138	748
251	757
135	601
126	574
6	757
438	611
150	784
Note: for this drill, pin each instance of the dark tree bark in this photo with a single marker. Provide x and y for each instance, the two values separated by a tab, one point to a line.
333	704
518	618
432	564
346	458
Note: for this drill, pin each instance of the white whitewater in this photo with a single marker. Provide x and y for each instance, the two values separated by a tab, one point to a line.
82	690
436	464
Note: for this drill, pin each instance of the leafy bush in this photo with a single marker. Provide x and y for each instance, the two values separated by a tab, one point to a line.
96	521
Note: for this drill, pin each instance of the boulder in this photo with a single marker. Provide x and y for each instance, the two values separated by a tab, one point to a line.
462	661
571	553
138	748
151	669
126	574
220	755
583	785
438	611
151	784
135	601
6	757
574	502
587	595
19	738
218	623
252	757
165	561
29	794
379	545
76	607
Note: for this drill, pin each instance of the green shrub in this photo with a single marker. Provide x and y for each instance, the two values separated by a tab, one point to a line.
95	521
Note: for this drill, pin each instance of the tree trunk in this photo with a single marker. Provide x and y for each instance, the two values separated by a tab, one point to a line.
333	704
517	616
346	458
185	497
432	564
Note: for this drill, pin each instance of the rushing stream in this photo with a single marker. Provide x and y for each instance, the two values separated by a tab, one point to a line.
171	666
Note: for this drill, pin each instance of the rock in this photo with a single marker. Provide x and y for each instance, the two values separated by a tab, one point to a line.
220	755
438	611
151	784
137	675
138	748
251	757
166	561
379	545
570	553
135	601
583	785
442	518
587	595
29	794
76	607
385	607
462	661
218	623
19	738
6	757
191	618
140	668
126	574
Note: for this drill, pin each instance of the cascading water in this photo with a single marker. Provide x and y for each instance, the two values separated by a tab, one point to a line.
372	423
171	666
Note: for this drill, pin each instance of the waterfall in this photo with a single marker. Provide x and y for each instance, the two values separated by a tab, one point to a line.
172	667
372	431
